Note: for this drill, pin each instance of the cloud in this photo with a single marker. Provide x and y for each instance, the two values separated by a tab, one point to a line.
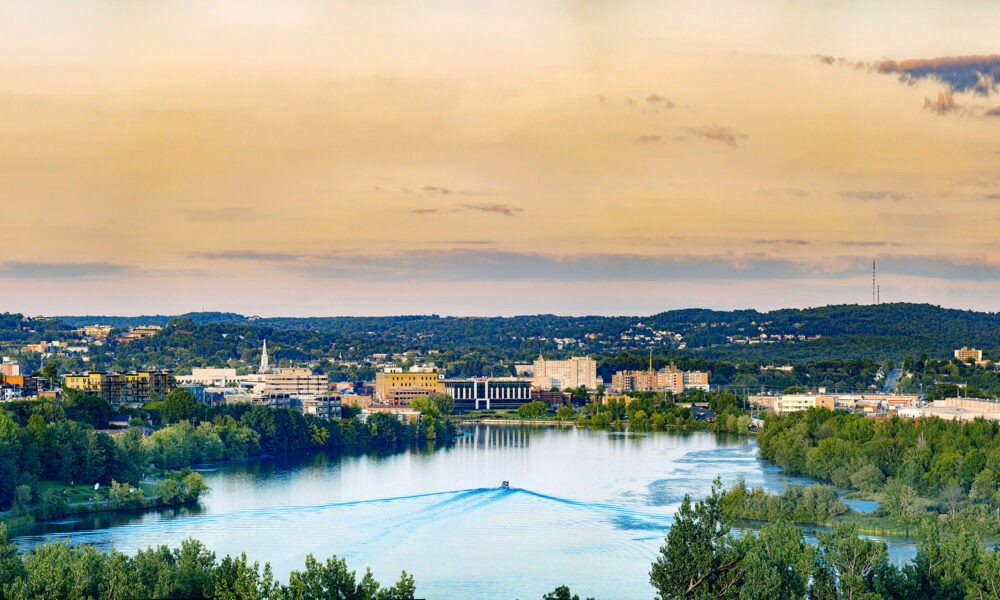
493	207
226	214
649	139
660	100
977	74
424	211
433	189
250	255
992	196
945	103
993	112
873	195
718	133
789	242
788	191
867	244
63	270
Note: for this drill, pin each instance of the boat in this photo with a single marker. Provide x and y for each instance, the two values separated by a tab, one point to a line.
505	484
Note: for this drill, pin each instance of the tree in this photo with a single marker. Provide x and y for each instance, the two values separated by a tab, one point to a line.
565	412
425	406
445	404
562	593
179	405
700	557
533	410
850	559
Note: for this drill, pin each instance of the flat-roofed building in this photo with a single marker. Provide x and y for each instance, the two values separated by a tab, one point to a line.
393	387
209	376
667	379
488	393
133	389
571	373
325	406
297	381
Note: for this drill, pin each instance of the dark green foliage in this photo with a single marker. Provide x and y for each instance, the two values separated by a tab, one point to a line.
946	467
60	571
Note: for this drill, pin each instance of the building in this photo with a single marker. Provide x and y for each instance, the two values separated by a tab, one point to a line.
325	407
294	382
866	403
393	387
572	373
9	368
488	393
209	376
964	354
955	409
667	379
553	399
140	333
133	389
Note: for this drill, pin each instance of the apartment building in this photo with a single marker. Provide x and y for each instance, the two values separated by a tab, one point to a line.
572	373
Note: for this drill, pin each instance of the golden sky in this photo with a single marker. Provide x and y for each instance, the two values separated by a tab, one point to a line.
318	158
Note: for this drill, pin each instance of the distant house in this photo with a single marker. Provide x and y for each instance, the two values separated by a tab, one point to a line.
701	413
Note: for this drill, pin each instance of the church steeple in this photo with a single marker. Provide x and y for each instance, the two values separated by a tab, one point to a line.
264	367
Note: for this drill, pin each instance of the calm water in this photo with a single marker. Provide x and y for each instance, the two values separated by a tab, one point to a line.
586	508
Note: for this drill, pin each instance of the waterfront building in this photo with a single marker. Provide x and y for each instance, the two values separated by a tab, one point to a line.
572	373
488	393
295	382
132	389
393	387
325	407
667	379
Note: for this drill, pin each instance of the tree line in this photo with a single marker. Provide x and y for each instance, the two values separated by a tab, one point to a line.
56	440
948	469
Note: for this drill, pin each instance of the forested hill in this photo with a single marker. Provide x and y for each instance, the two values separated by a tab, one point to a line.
839	331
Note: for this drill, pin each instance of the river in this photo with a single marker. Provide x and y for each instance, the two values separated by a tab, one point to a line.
588	509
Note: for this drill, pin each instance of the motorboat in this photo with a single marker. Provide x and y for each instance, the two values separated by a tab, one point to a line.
505	484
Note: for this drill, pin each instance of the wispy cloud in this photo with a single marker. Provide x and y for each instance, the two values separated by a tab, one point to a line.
869	195
945	103
424	211
494	208
63	270
658	100
870	244
992	196
787	191
718	133
993	112
227	214
649	139
250	255
787	242
977	74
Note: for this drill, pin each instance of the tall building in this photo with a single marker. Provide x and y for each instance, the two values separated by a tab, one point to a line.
573	373
396	388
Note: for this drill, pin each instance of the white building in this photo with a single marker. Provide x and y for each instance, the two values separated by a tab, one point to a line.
575	372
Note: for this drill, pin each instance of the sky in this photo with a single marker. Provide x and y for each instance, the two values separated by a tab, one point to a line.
572	157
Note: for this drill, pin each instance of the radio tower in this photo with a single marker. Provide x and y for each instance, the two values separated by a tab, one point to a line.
874	292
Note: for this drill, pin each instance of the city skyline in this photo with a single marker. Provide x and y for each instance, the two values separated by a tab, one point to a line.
571	158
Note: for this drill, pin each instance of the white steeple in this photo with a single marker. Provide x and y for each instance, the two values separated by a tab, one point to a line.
264	367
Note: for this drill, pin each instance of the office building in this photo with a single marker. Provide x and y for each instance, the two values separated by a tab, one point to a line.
393	387
487	393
